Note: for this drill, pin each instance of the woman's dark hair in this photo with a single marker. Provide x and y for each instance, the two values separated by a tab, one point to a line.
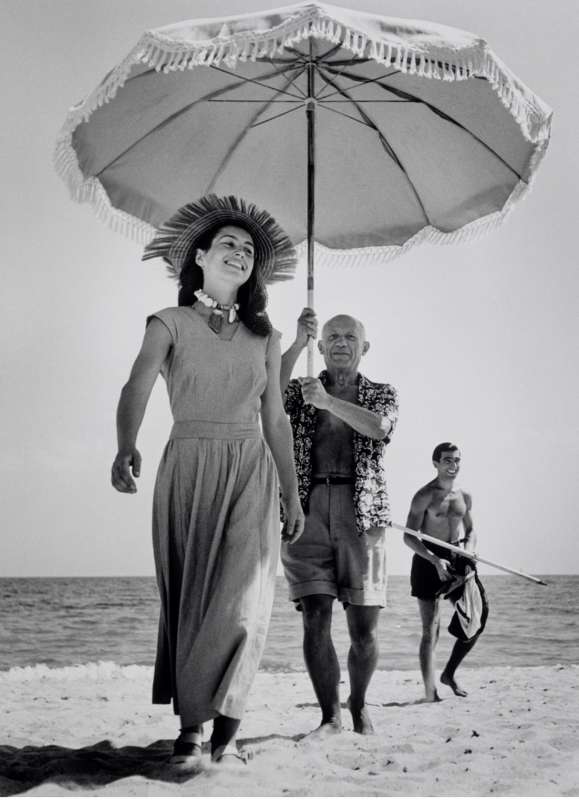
252	296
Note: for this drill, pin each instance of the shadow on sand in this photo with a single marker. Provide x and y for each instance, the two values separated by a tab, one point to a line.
91	767
396	704
96	765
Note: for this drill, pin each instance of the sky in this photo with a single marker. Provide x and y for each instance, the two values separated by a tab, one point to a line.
480	338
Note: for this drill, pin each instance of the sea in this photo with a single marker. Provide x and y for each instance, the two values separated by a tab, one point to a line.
60	622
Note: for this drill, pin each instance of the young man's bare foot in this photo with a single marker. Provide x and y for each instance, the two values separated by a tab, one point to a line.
431	697
449	681
361	719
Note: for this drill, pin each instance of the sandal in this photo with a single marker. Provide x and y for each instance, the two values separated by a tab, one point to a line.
186	753
231	751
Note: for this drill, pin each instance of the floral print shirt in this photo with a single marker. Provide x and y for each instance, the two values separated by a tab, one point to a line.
371	504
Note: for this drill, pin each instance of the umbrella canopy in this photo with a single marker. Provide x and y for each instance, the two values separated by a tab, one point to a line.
397	131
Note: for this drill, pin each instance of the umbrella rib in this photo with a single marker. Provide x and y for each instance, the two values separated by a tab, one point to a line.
345	62
226	158
349	116
209	98
438	112
299	100
272	60
305	58
328	102
263	77
363	83
293	80
294	99
366	120
383	141
277	116
326	83
323	56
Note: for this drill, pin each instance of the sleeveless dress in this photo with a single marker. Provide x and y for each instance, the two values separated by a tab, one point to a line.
216	527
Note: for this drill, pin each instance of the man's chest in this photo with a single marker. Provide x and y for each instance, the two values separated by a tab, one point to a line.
329	423
348	393
330	429
447	503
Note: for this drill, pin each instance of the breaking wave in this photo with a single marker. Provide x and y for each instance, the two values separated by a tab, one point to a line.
99	670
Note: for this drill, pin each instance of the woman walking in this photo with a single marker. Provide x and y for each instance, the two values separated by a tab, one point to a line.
216	502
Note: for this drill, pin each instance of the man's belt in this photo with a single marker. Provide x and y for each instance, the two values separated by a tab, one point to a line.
332	480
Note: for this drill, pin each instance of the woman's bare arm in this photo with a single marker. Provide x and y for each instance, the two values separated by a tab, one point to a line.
133	402
278	435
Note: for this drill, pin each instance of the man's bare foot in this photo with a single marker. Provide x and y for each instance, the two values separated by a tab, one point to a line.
325	730
449	681
431	697
361	719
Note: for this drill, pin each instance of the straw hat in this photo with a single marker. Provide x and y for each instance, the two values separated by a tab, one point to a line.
275	255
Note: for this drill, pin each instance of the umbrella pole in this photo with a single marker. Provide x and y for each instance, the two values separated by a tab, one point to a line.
311	205
472	556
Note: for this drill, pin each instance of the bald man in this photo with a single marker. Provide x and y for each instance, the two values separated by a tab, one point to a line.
341	424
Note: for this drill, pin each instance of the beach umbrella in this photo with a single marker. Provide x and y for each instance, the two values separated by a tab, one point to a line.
364	135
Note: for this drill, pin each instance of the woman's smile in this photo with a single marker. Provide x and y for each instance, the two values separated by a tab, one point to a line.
237	263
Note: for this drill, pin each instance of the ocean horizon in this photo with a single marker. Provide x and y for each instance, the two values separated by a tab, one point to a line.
73	621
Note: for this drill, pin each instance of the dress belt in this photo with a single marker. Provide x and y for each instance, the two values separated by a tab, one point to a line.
208	429
331	480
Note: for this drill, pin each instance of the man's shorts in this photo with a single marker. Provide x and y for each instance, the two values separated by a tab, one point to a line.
331	558
424	581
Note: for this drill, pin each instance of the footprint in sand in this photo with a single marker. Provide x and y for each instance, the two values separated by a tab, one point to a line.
353	761
563	744
402	748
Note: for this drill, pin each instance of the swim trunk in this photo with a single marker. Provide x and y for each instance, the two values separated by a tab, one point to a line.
424	581
331	558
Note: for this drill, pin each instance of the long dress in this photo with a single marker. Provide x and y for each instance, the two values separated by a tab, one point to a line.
216	526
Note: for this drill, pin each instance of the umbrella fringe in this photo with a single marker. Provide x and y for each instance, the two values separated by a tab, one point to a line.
90	190
160	52
381	254
121	222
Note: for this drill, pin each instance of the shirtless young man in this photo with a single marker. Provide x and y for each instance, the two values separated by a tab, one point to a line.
441	510
341	423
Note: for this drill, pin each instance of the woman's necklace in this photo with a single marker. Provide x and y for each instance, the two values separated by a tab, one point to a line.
216	316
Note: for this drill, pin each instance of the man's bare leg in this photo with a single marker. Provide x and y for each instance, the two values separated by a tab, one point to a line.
430	616
362	660
321	660
459	651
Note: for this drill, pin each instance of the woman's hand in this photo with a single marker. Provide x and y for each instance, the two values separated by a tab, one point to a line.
125	461
294	519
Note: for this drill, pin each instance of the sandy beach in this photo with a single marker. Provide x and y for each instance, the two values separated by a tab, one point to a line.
92	731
